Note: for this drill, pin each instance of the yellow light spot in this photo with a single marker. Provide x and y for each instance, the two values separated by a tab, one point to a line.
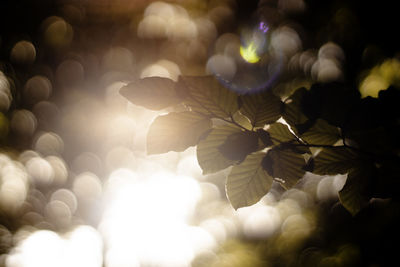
380	78
249	53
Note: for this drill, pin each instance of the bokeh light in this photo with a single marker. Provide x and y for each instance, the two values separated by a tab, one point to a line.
380	77
23	122
132	219
40	171
13	184
5	93
80	247
328	66
49	144
23	52
87	186
38	88
57	33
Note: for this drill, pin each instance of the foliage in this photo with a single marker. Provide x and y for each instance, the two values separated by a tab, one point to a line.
324	130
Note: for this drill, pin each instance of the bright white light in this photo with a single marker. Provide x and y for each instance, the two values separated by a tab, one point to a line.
81	248
146	220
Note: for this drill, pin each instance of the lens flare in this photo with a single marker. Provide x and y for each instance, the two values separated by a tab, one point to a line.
257	63
249	53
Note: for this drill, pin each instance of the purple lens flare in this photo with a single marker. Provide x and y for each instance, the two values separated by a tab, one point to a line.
263	27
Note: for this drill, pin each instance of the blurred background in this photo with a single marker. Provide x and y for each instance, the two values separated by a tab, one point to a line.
76	185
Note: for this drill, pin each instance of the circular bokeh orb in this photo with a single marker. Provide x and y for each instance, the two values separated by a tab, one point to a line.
253	65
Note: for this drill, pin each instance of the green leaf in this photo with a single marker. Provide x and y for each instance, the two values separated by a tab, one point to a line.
204	94
238	145
209	155
354	194
285	165
334	160
280	133
242	120
248	182
321	133
261	109
153	93
176	131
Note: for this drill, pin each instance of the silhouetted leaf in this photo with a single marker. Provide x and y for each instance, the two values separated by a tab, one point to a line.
238	145
265	138
204	94
321	133
332	102
387	185
248	182
388	100
334	160
286	165
153	93
365	114
354	194
208	153
261	109
379	140
176	131
293	113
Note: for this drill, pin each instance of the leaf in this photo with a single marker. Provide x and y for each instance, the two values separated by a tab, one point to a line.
242	120
293	114
333	102
387	184
334	160
379	140
285	165
265	138
354	194
248	182
321	133
153	93
176	131
238	145
206	95
280	133
261	109
208	153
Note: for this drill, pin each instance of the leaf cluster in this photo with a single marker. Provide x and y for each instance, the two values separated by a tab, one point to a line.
326	130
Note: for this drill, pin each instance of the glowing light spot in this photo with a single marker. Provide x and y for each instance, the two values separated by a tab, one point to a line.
82	247
87	186
249	53
40	171
263	27
380	78
155	230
